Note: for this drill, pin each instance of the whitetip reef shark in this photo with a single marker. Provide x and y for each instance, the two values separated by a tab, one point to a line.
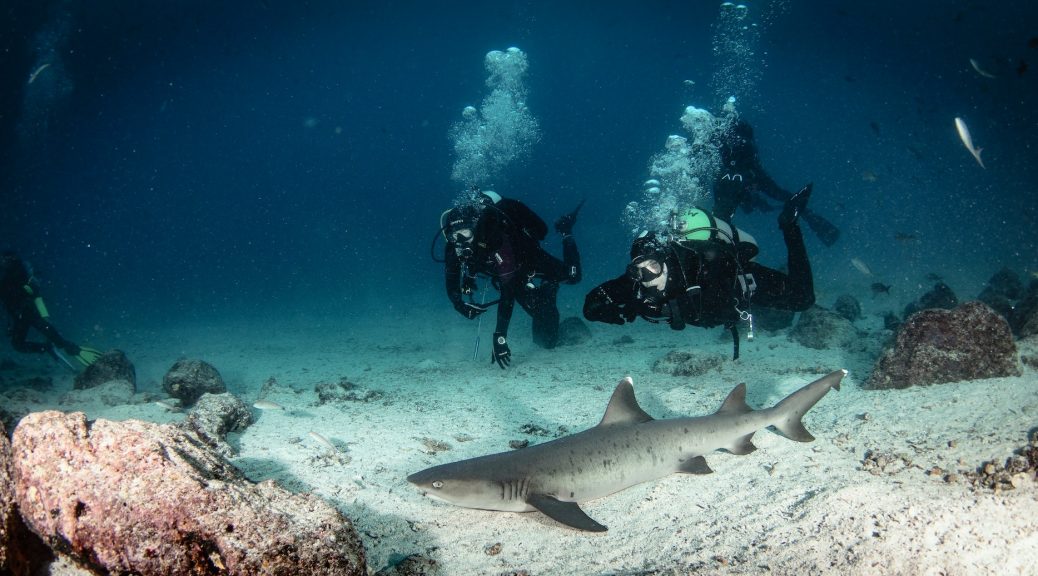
626	448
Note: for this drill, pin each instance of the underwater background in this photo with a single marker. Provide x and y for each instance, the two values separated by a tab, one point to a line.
185	162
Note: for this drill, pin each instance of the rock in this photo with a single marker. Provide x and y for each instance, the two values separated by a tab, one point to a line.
772	319
940	296
935	346
573	331
112	365
344	391
1001	291
135	497
111	393
1024	318
413	565
688	363
21	552
891	321
848	307
189	379
821	329
213	416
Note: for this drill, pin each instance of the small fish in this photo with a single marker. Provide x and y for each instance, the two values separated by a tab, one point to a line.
861	266
167	406
323	441
267	405
880	288
36	72
981	71
967	141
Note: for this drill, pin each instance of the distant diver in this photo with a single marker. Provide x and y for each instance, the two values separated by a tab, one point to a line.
499	238
701	272
744	180
25	308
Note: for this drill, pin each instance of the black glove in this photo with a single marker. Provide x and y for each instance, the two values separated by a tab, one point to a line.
469	310
564	225
598	307
502	355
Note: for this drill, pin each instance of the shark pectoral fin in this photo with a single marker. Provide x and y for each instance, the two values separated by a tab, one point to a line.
742	446
568	513
794	430
695	465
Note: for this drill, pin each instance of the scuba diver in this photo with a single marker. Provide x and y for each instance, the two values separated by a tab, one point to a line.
743	181
500	238
702	272
20	294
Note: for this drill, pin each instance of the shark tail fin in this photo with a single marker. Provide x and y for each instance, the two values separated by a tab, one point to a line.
735	403
794	406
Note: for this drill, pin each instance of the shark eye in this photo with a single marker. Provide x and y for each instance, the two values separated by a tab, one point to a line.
437	484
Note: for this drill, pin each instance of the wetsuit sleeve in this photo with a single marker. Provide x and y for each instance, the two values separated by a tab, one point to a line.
612	302
504	307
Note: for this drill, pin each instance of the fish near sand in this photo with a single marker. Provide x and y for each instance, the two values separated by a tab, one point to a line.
967	140
626	448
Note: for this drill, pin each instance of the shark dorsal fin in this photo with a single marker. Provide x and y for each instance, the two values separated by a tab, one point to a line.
735	403
623	407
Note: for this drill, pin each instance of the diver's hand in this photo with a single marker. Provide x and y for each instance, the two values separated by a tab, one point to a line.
469	310
599	307
502	354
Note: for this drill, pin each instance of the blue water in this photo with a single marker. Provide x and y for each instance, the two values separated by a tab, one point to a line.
203	161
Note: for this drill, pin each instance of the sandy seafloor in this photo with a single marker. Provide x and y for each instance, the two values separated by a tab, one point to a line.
788	508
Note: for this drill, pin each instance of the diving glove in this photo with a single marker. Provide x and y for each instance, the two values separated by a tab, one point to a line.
86	355
502	354
469	310
564	225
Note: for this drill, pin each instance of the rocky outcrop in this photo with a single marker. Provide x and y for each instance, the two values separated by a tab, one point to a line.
110	393
935	346
573	332
848	307
189	379
112	365
214	416
940	296
821	329
21	552
688	363
140	498
7	509
1024	318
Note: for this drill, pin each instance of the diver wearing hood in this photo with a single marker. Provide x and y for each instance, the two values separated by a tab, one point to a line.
500	238
743	181
703	273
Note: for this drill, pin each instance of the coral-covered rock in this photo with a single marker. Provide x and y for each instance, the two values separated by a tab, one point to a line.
1001	291
573	331
214	415
936	346
820	329
112	365
21	552
848	307
189	379
772	319
140	498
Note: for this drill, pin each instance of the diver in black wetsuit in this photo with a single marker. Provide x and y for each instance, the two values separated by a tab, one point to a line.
500	238
743	181
25	308
702	273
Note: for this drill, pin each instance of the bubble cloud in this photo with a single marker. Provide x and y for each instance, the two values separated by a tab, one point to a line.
502	130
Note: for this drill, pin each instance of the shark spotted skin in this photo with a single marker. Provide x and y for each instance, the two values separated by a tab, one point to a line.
626	448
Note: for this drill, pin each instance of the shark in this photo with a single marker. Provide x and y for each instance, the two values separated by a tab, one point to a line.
628	447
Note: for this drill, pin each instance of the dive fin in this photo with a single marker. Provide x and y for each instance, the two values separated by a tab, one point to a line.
568	513
695	465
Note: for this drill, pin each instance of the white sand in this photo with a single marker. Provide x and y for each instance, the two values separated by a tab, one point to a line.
788	508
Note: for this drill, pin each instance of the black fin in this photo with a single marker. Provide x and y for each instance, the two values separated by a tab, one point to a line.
568	513
695	465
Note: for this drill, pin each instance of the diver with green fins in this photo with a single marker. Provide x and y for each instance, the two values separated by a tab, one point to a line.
701	272
20	294
500	239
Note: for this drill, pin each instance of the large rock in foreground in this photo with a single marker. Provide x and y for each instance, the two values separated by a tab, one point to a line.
140	498
21	553
937	346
